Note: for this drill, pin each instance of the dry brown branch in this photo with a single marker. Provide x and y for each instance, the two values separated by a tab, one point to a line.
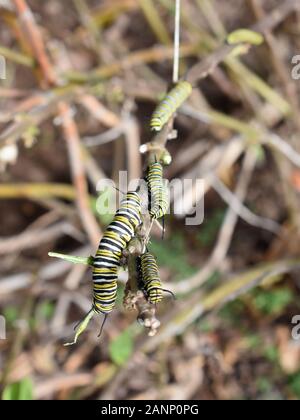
132	139
224	238
32	238
241	209
37	191
48	272
76	161
284	147
62	382
10	93
182	316
276	16
38	108
103	138
149	55
35	40
69	127
18	336
199	304
278	63
207	66
99	111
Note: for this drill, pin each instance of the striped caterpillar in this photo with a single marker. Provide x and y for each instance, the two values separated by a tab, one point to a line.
172	101
107	260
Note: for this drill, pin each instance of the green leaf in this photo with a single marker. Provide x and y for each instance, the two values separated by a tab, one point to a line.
271	353
263	384
81	327
120	295
104	204
121	348
294	383
21	391
260	153
253	341
172	253
46	309
72	258
10	314
206	326
233	312
210	228
245	35
272	301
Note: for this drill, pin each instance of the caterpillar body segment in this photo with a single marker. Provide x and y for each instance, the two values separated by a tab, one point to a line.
158	191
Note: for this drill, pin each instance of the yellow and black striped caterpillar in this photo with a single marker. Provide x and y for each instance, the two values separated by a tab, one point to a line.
158	193
109	253
172	101
108	257
149	278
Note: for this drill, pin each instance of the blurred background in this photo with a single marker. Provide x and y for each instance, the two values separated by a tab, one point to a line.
82	79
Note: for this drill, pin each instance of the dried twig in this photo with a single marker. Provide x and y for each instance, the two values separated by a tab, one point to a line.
16	57
199	304
33	34
149	55
278	62
75	155
32	238
99	111
225	234
182	316
62	382
50	271
284	147
37	190
157	24
103	138
70	129
241	209
205	67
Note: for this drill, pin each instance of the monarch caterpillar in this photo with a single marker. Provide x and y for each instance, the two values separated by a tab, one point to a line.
158	195
108	258
172	101
149	278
